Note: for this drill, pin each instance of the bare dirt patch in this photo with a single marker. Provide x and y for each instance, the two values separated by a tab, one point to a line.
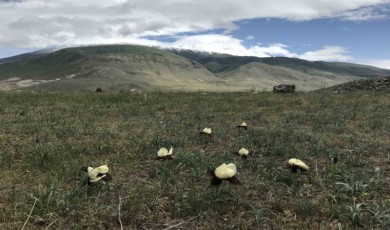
16	83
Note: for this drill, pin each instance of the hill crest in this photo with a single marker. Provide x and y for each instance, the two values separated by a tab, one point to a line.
125	67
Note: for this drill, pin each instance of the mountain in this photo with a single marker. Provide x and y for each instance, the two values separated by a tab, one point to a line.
30	55
131	67
217	63
264	77
111	67
214	62
318	67
264	73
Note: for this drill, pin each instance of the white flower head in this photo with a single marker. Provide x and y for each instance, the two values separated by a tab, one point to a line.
163	152
225	171
207	130
98	173
298	163
243	124
243	152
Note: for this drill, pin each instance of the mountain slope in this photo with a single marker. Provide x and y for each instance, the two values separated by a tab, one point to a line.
262	76
137	67
214	62
316	67
113	66
264	73
218	63
25	56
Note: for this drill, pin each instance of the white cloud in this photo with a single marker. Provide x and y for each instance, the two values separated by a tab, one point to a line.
42	23
271	50
364	14
328	53
219	43
228	45
249	37
212	43
381	63
39	23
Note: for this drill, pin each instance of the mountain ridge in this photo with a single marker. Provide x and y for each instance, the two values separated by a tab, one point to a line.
126	67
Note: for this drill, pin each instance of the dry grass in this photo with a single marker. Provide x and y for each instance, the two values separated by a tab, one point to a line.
47	137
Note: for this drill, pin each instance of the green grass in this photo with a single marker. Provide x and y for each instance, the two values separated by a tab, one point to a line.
47	137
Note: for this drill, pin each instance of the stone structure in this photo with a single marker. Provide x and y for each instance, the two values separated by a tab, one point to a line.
283	88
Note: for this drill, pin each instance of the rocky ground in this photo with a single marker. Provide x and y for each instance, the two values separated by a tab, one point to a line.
376	84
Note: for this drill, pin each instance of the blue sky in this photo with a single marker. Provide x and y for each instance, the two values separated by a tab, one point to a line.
363	39
329	30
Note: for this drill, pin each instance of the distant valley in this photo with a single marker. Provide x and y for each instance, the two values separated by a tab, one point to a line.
139	68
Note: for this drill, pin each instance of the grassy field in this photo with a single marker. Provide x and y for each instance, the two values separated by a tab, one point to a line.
47	137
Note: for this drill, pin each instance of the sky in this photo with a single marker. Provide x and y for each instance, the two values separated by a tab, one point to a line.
329	30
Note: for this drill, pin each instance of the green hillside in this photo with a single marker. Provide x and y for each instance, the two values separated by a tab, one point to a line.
263	76
313	68
113	66
131	67
53	65
218	63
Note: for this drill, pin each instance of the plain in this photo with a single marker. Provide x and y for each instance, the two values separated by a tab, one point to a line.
47	137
